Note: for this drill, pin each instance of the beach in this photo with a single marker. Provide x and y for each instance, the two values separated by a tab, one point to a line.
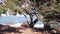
5	29
23	29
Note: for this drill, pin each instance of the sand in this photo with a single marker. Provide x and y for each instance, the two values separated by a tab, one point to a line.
5	29
21	30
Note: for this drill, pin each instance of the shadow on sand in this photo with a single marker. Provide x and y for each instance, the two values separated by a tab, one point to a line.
4	29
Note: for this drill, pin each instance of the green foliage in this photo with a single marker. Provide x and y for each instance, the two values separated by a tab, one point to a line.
2	9
53	7
14	5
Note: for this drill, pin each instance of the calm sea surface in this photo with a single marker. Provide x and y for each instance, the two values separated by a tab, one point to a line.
12	19
18	19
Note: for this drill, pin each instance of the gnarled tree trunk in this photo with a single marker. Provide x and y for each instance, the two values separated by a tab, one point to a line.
31	20
32	23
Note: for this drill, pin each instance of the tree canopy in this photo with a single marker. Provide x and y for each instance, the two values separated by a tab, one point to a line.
48	8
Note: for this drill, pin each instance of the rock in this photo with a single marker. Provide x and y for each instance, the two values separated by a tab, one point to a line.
2	27
25	24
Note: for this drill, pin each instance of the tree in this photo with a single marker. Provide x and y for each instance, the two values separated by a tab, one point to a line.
2	9
45	8
15	6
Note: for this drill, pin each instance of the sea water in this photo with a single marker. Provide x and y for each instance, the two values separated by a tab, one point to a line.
12	19
16	20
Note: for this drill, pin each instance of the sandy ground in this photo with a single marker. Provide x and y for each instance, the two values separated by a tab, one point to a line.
29	31
21	31
4	29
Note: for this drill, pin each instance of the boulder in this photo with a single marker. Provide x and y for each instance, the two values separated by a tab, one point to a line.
25	24
3	27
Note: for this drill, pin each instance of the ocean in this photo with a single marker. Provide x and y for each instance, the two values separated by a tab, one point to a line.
13	19
18	20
